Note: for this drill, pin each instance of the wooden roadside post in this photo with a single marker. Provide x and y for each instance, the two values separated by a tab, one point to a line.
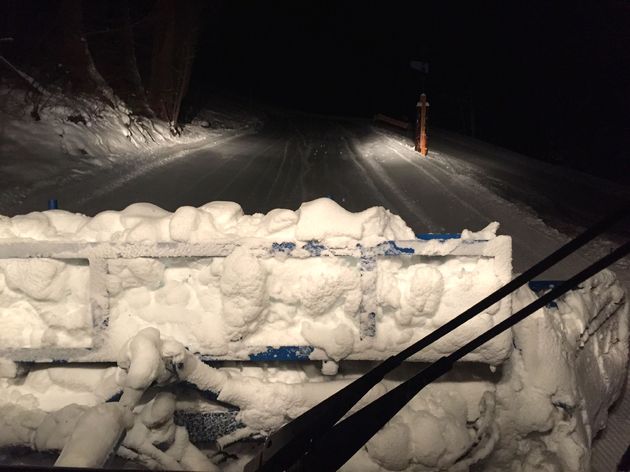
421	132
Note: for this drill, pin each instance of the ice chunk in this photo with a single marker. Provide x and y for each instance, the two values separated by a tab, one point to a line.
185	220
324	219
225	215
337	341
489	232
279	219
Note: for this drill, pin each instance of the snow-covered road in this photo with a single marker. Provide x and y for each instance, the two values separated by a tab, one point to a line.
296	158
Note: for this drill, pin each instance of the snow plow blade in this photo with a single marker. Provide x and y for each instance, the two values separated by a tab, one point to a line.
436	275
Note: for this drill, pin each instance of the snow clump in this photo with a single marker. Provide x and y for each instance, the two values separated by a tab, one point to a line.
322	220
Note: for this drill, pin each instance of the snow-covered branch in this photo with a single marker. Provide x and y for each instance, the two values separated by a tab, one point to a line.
23	75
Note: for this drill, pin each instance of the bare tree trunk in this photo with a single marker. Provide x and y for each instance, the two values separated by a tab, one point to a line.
24	76
173	55
76	55
183	79
138	99
162	77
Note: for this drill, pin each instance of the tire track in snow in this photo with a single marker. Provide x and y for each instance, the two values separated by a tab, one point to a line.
289	183
259	191
368	178
515	220
243	170
356	157
445	183
387	181
148	167
226	159
290	177
279	169
305	168
445	186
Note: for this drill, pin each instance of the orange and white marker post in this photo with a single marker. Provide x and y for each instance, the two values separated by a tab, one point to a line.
421	132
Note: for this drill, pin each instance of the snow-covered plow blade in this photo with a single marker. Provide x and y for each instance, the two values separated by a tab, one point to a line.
172	322
282	301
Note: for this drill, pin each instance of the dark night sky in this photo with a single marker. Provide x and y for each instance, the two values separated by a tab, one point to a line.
545	78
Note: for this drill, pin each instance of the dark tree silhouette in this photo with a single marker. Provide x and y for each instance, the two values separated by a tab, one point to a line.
76	55
173	54
140	53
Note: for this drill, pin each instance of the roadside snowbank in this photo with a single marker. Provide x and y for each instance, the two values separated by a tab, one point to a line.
70	138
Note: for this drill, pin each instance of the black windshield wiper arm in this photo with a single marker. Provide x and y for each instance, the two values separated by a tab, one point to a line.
284	447
339	444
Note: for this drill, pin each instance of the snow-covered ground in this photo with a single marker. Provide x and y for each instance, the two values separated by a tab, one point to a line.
81	138
298	158
294	159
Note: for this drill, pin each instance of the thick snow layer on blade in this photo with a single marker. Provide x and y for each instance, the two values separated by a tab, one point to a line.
322	220
45	302
537	412
221	305
51	388
568	367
